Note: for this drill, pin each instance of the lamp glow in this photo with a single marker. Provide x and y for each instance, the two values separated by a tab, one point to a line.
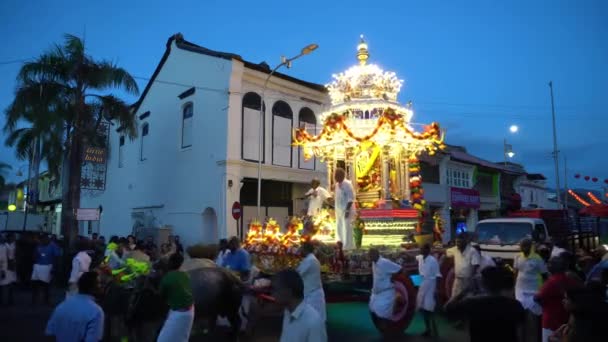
12	207
511	154
513	128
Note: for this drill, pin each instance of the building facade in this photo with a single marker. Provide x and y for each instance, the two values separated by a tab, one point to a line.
532	189
197	150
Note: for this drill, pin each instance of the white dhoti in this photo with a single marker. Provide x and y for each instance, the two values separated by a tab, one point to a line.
460	284
382	303
344	230
425	299
42	273
316	299
177	327
526	298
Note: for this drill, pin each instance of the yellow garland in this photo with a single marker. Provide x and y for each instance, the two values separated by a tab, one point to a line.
335	122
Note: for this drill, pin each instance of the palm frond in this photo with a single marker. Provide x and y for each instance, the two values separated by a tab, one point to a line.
105	75
74	47
114	109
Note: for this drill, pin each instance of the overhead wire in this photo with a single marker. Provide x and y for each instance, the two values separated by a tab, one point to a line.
567	113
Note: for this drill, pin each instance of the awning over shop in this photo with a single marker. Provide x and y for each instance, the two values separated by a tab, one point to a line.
598	210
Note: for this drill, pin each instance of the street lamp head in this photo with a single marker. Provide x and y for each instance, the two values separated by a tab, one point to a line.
513	128
510	154
309	48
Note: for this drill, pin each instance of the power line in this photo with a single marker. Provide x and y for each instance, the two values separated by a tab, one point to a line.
532	115
15	61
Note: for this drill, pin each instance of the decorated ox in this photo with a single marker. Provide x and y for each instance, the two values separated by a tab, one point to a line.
217	293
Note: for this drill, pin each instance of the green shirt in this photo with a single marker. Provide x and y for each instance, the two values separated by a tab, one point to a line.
175	288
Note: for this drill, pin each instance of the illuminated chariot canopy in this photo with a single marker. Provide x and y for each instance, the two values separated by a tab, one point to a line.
365	112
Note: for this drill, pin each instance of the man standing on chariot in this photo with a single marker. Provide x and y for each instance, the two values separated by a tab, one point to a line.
344	195
317	195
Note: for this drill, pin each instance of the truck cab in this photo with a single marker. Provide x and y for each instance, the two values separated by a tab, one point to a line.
500	237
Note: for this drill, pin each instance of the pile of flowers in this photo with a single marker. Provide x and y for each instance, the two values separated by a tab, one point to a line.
268	239
321	227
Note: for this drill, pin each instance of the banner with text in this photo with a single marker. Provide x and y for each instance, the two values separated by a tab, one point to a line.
465	198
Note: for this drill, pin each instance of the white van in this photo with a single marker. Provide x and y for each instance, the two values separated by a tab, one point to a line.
500	237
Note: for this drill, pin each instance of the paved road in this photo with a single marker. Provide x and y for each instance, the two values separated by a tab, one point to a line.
346	322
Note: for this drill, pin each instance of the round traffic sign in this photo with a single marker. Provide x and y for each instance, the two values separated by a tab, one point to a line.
236	210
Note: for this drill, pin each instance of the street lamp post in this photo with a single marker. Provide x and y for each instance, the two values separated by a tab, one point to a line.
287	63
507	151
507	148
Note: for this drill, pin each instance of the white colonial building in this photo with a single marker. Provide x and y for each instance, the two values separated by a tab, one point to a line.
197	149
533	191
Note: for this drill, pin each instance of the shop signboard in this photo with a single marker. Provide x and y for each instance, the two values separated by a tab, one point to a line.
465	198
86	214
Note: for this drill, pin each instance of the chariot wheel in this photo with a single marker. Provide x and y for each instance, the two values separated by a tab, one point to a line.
405	308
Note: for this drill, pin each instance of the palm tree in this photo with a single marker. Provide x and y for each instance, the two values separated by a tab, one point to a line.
62	97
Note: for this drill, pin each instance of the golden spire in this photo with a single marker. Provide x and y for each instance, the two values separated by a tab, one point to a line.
362	53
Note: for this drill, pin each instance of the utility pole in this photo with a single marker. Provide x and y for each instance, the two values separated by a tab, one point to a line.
555	151
565	183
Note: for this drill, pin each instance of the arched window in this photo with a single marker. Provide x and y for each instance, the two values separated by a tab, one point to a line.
307	120
145	131
121	148
250	129
187	117
282	124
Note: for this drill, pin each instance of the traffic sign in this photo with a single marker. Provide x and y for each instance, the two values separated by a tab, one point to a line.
86	214
237	211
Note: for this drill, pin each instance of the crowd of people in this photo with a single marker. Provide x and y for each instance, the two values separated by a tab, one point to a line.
550	296
546	295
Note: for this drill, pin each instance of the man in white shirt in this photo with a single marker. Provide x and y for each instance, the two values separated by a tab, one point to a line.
317	195
428	267
301	323
310	271
80	264
345	214
559	247
382	300
484	261
223	250
466	262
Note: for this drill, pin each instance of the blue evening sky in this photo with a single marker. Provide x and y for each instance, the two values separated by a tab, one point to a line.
476	67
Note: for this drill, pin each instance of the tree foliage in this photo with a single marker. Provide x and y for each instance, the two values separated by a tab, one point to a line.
63	95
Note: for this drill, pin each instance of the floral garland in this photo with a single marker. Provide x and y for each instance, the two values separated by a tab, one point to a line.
438	228
336	122
417	192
